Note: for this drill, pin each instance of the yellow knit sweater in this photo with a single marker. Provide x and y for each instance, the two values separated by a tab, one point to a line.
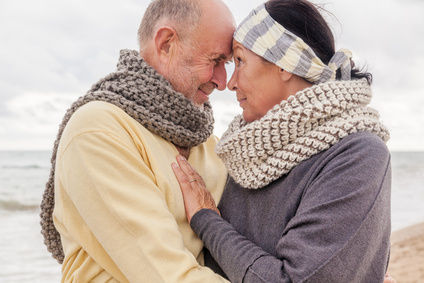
118	206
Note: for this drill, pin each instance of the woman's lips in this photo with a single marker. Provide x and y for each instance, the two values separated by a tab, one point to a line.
241	101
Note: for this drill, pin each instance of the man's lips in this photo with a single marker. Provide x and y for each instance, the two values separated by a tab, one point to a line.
206	92
203	92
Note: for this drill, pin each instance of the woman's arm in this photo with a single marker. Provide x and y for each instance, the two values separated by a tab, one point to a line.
337	233
234	253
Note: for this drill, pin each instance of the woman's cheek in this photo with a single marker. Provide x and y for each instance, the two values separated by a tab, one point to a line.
249	111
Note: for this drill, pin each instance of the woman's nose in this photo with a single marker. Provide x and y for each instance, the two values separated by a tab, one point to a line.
232	82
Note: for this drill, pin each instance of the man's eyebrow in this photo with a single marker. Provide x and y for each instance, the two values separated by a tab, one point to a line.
223	57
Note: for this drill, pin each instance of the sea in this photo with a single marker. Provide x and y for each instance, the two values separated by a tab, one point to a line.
23	174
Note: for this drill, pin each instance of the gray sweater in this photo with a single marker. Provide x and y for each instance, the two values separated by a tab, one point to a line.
328	220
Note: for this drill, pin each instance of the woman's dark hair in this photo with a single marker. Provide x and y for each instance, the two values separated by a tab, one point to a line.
304	20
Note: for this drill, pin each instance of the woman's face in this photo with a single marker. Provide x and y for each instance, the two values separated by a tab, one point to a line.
258	83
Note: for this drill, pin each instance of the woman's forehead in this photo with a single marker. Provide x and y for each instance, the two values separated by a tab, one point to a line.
237	46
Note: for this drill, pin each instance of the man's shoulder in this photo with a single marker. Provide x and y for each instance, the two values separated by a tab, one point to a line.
98	116
97	111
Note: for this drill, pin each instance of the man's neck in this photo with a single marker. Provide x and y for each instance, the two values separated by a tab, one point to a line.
184	151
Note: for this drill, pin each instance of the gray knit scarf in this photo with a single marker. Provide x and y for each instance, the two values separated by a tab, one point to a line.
147	97
305	124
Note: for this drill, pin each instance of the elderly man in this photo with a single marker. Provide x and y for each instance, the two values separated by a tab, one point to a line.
116	206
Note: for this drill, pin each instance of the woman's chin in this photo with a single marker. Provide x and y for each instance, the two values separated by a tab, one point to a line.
247	118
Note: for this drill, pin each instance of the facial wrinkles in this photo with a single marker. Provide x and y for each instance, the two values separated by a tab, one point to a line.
195	68
182	77
211	59
204	67
188	80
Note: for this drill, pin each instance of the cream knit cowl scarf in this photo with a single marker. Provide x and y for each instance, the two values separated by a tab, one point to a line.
305	124
147	97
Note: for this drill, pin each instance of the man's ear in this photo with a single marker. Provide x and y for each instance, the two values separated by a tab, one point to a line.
285	76
165	39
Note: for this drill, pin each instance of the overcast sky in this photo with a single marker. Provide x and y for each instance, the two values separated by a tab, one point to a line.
52	51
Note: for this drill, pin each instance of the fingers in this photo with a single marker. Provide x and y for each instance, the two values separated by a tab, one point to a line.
195	194
189	171
190	202
182	178
178	172
185	166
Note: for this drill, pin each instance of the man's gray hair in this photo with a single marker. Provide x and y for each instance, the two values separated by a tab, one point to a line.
185	14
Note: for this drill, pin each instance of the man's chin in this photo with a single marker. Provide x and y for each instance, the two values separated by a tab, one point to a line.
200	98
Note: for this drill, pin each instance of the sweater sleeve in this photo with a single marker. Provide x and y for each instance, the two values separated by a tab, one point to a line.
116	195
340	232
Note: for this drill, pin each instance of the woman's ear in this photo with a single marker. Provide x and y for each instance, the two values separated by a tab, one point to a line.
285	76
165	39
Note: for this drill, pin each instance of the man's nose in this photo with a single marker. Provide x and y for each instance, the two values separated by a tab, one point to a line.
219	78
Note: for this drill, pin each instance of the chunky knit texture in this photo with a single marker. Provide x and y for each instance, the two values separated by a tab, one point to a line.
305	124
147	97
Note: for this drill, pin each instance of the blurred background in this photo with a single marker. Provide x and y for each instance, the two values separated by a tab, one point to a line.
51	52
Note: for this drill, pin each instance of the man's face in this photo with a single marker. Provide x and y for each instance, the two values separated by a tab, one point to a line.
199	66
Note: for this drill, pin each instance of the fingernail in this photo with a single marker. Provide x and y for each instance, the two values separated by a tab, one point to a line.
174	165
180	157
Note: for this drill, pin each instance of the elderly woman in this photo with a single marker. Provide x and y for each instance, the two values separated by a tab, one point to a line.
308	193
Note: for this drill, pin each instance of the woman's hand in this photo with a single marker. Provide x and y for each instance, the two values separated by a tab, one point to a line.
195	194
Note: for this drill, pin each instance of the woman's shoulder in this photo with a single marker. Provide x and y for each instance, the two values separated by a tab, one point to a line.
354	149
364	138
357	165
365	145
359	156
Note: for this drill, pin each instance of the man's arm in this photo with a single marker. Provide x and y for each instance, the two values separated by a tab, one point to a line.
115	193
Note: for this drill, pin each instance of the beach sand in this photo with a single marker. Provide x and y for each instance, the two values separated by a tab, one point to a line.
407	254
